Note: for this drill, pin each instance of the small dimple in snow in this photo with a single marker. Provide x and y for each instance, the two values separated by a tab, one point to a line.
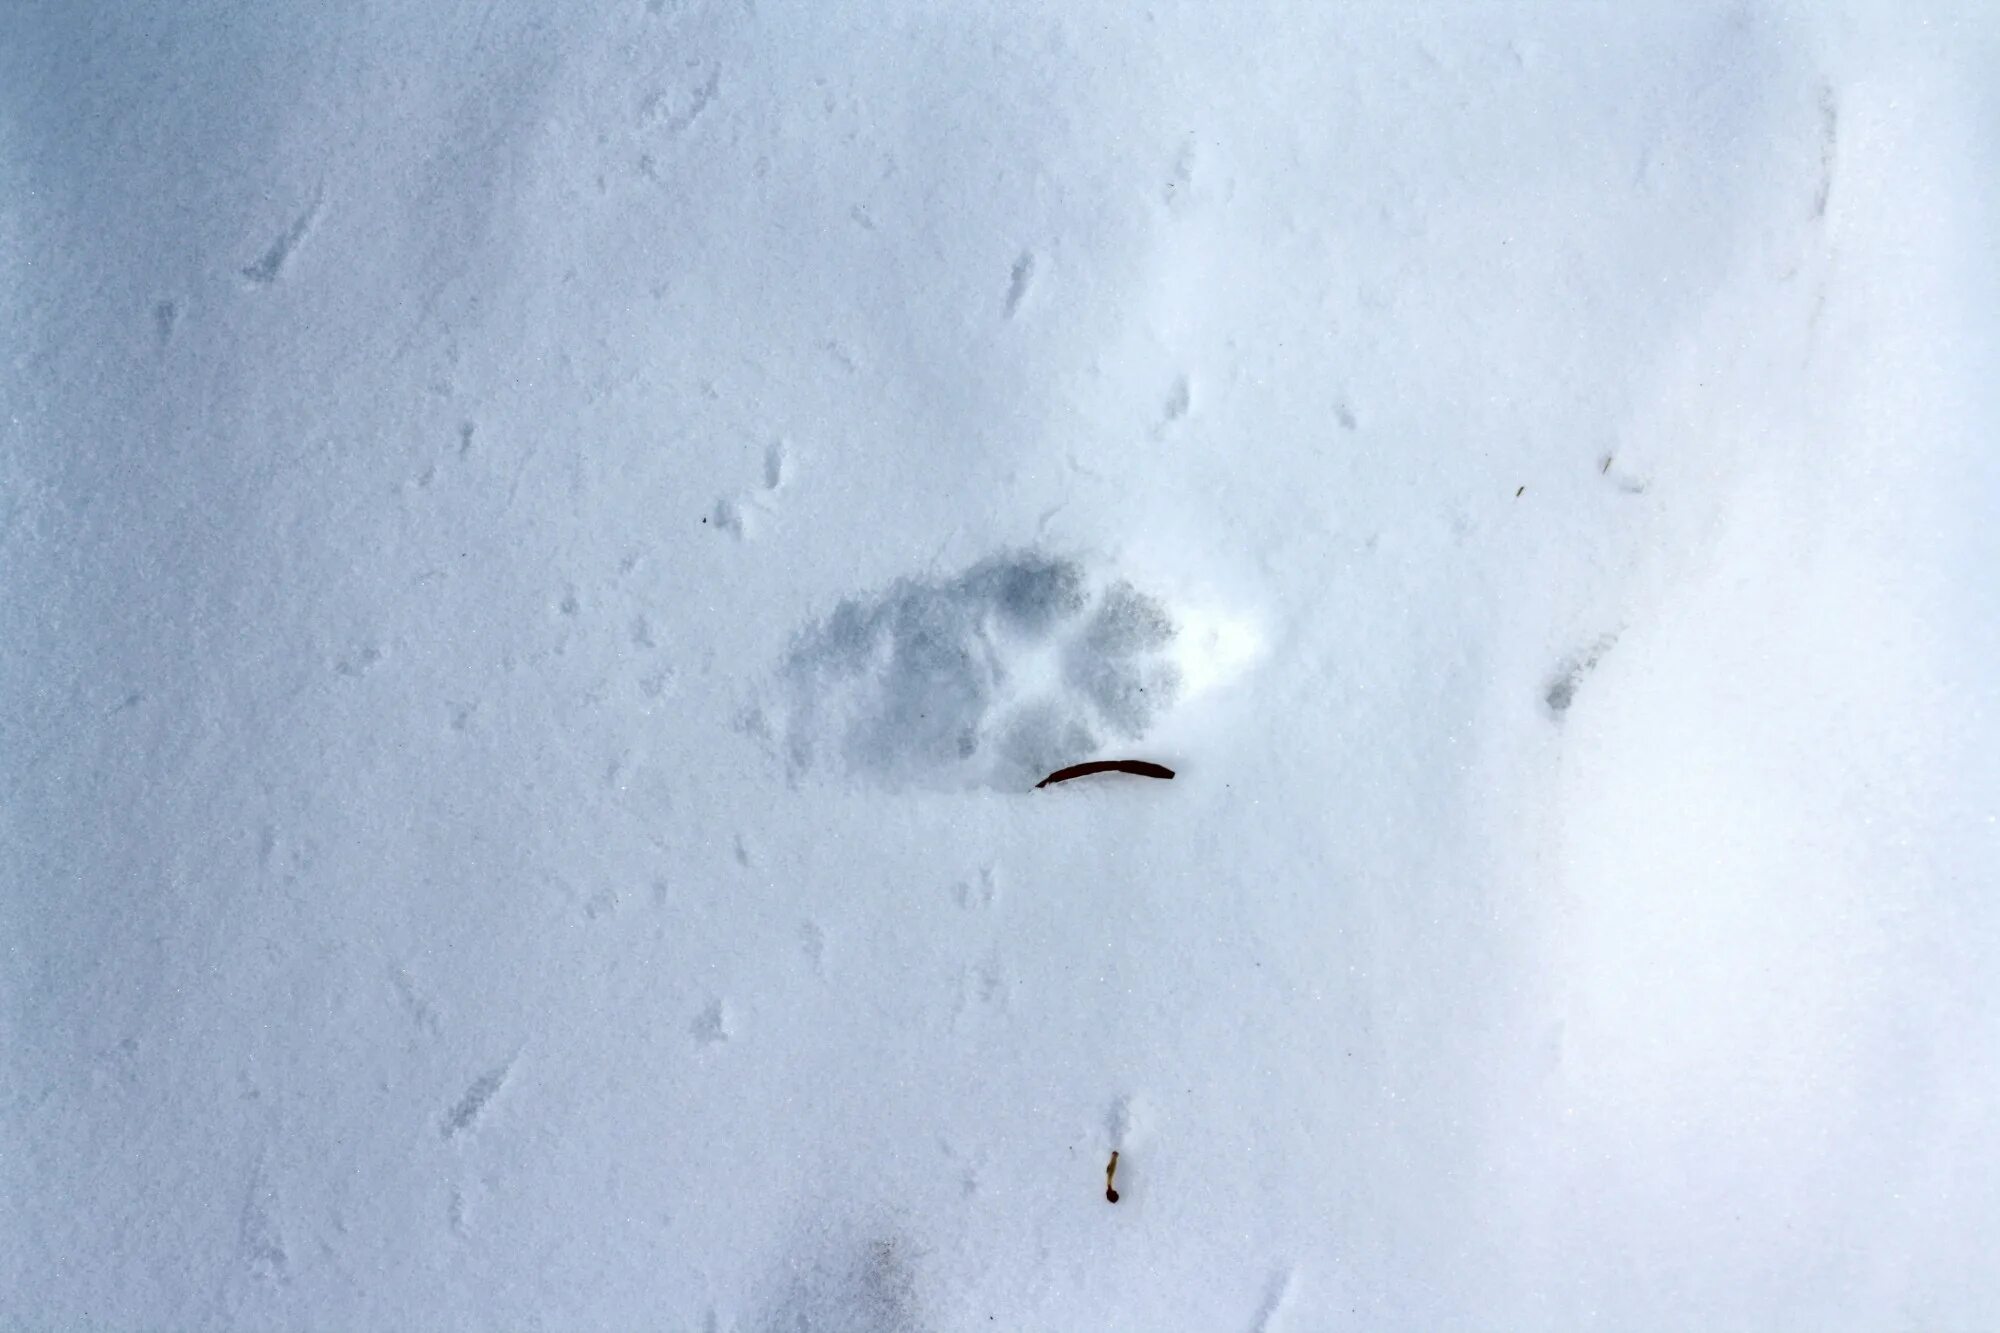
1277	1296
465	1112
712	1026
1124	1121
266	270
419	1009
359	662
259	1240
1570	673
728	517
674	114
1022	277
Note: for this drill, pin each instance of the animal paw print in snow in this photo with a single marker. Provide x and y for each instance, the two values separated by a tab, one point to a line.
1020	664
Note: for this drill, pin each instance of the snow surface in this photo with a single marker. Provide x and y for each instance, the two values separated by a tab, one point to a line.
542	547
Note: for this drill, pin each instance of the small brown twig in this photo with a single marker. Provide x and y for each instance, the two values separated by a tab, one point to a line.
1111	1190
1141	767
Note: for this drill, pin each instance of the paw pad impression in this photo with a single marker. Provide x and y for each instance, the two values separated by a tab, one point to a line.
1019	665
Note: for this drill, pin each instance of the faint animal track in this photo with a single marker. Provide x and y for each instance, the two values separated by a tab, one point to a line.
979	891
1125	1121
1022	278
271	263
981	987
359	662
1180	400
674	113
713	1025
844	1287
729	517
420	1011
1178	192
116	1065
812	943
1625	481
842	355
1570	673
968	1178
655	684
1829	148
465	1112
1277	1294
258	1238
743	514
1193	184
283	857
1017	666
166	317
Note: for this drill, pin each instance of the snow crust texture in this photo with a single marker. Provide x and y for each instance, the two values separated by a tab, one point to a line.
1022	663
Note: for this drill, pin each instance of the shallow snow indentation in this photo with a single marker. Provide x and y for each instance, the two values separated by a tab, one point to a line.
1021	664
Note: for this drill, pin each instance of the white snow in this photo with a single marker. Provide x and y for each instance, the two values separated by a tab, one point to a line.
543	548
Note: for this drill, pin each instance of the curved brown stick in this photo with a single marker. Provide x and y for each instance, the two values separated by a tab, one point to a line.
1138	766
